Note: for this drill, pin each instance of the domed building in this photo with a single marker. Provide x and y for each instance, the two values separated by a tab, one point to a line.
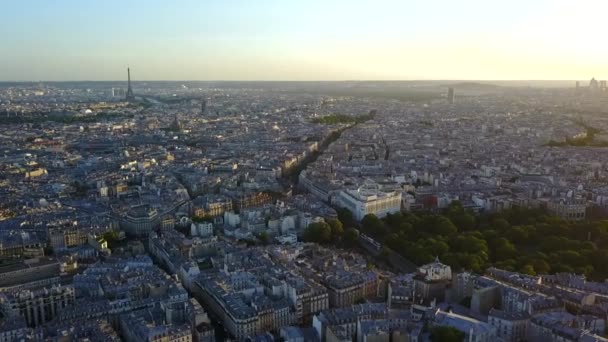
432	281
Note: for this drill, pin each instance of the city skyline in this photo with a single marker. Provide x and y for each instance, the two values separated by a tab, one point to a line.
270	40
205	171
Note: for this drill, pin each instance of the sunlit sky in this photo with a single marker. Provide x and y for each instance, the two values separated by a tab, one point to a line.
303	40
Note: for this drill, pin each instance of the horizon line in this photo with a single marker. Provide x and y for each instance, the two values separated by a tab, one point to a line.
290	80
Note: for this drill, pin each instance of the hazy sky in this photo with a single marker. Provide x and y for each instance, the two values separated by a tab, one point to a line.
303	39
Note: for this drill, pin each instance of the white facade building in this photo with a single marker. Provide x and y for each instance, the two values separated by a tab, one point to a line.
436	271
203	229
369	199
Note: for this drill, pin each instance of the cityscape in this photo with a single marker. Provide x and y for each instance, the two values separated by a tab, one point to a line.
304	209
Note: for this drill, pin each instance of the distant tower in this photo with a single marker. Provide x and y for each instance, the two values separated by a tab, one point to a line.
593	84
118	92
176	125
203	106
450	95
130	96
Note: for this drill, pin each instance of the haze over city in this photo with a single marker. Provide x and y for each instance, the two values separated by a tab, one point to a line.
303	40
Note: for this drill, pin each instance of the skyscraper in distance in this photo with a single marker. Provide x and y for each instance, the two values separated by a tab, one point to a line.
118	92
130	96
593	84
450	95
203	106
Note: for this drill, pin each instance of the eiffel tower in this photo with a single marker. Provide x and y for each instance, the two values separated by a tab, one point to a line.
130	97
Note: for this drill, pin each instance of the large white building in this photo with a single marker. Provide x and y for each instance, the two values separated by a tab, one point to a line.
369	199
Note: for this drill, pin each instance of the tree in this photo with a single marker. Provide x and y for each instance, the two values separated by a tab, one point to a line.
436	247
455	205
318	232
264	238
416	253
598	260
528	269
540	266
503	249
559	268
518	234
474	262
110	236
508	265
446	334
413	219
464	221
395	220
443	226
405	228
372	225
384	254
346	217
337	229
351	235
202	219
469	244
500	224
523	240
571	258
